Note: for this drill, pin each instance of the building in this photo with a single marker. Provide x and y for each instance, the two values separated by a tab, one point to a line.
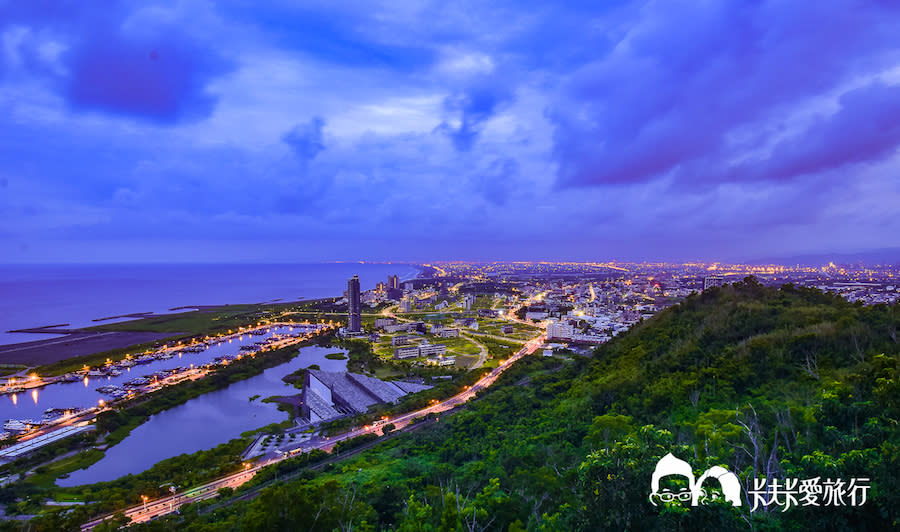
422	350
560	330
535	315
382	322
426	350
713	280
406	305
354	323
328	395
507	329
393	282
401	340
441	361
469	323
447	332
406	352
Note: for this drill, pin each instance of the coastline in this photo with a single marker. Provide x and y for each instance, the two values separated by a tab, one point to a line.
46	287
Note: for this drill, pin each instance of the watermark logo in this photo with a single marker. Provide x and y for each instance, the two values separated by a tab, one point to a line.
790	492
673	480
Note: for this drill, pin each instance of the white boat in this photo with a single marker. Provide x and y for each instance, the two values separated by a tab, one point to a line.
16	425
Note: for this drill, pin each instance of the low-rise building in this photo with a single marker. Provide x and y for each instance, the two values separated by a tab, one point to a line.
401	340
406	352
432	349
469	323
448	332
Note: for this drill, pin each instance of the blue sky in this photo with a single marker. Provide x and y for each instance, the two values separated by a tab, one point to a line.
304	131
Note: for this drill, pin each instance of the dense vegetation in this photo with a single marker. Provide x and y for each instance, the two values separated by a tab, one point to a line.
770	383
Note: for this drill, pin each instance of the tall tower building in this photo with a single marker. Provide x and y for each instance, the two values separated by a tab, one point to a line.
355	322
393	281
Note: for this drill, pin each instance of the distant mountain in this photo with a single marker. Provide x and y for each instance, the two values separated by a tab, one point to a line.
870	257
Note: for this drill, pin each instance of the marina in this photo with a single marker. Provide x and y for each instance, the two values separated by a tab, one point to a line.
96	386
205	421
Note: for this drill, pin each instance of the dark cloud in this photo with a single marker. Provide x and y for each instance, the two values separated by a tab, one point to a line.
867	127
686	75
471	109
650	129
496	184
306	139
158	71
161	79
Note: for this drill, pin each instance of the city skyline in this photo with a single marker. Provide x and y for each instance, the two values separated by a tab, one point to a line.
202	132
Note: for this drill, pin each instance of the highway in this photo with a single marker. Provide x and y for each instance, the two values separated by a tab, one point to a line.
152	509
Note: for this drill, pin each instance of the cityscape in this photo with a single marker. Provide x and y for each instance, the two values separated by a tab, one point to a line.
417	266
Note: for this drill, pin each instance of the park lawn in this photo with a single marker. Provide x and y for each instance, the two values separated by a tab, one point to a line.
483	302
45	476
466	361
386	372
459	345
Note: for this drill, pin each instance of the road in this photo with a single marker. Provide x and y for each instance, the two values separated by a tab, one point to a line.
162	506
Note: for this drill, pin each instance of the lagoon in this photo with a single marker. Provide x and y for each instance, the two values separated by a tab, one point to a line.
203	422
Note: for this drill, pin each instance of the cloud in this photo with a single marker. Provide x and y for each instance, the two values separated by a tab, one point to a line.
642	129
154	68
470	109
685	76
306	140
865	128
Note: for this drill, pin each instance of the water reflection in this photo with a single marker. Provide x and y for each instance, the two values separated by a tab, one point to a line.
203	422
69	395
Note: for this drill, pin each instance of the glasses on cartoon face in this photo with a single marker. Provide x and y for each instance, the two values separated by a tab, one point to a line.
667	495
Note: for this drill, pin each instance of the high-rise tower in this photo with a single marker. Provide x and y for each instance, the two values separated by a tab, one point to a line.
355	321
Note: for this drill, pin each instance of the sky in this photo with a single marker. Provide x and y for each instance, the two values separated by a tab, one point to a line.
281	131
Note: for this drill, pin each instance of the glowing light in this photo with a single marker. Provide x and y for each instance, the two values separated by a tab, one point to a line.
34	396
15	399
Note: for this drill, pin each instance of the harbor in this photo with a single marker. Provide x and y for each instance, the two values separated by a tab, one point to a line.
38	404
204	422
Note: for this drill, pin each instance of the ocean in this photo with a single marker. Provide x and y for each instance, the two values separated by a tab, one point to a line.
40	295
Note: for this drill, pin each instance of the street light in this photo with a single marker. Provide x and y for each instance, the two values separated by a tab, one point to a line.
145	498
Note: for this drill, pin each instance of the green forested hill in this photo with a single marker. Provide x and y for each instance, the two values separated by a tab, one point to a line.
769	383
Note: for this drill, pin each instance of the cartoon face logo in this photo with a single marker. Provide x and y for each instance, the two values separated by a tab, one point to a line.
717	483
673	480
